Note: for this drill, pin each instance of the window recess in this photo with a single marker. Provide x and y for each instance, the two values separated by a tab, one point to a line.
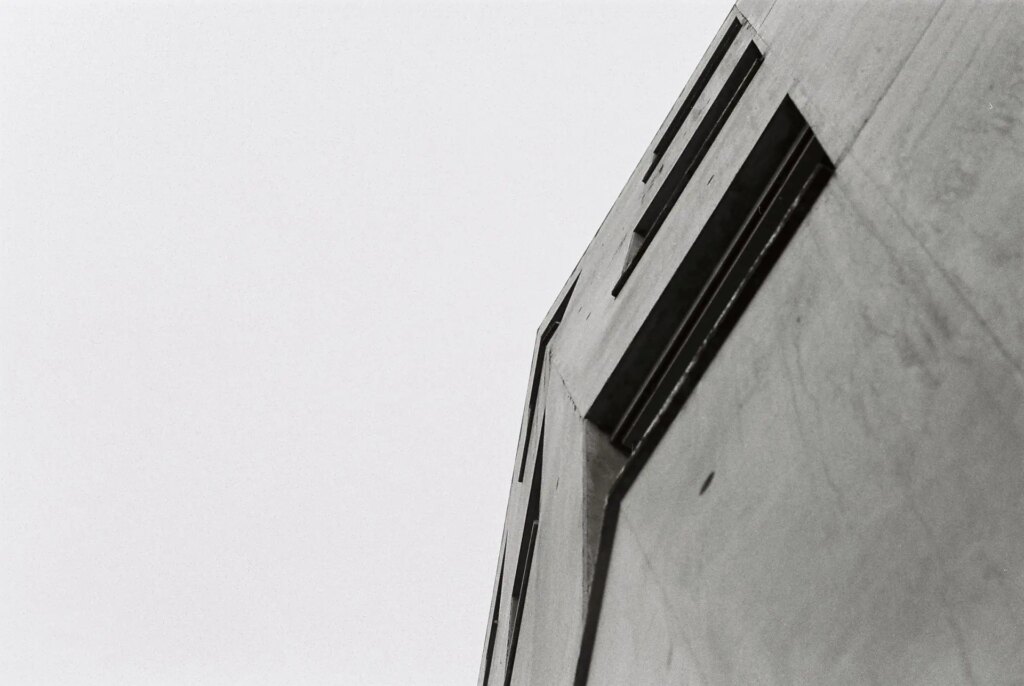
689	159
691	98
531	525
493	629
770	195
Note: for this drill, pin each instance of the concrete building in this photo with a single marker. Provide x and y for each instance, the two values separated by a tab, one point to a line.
775	423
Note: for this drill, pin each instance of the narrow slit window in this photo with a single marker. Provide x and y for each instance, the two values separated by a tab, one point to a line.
538	370
767	200
691	98
493	629
690	158
531	526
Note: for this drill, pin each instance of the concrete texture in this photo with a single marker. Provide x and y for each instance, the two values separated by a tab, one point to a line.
865	418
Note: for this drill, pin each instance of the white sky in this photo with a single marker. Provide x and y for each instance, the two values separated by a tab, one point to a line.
269	282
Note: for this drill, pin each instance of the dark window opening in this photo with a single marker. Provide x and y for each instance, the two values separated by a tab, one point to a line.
538	369
760	210
691	98
494	623
689	159
522	577
540	444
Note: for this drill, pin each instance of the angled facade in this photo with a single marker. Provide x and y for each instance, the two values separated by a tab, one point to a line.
774	431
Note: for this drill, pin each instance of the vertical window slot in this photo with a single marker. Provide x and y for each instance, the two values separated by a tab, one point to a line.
691	98
690	158
521	581
494	623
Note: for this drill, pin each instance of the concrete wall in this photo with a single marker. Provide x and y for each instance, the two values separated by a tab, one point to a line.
865	418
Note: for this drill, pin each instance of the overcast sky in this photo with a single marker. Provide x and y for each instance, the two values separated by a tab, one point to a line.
270	277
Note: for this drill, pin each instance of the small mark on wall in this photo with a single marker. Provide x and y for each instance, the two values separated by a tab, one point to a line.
707	482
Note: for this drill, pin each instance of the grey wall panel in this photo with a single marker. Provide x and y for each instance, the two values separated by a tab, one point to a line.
946	150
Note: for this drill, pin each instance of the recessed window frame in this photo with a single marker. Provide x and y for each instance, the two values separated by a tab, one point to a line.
771	193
